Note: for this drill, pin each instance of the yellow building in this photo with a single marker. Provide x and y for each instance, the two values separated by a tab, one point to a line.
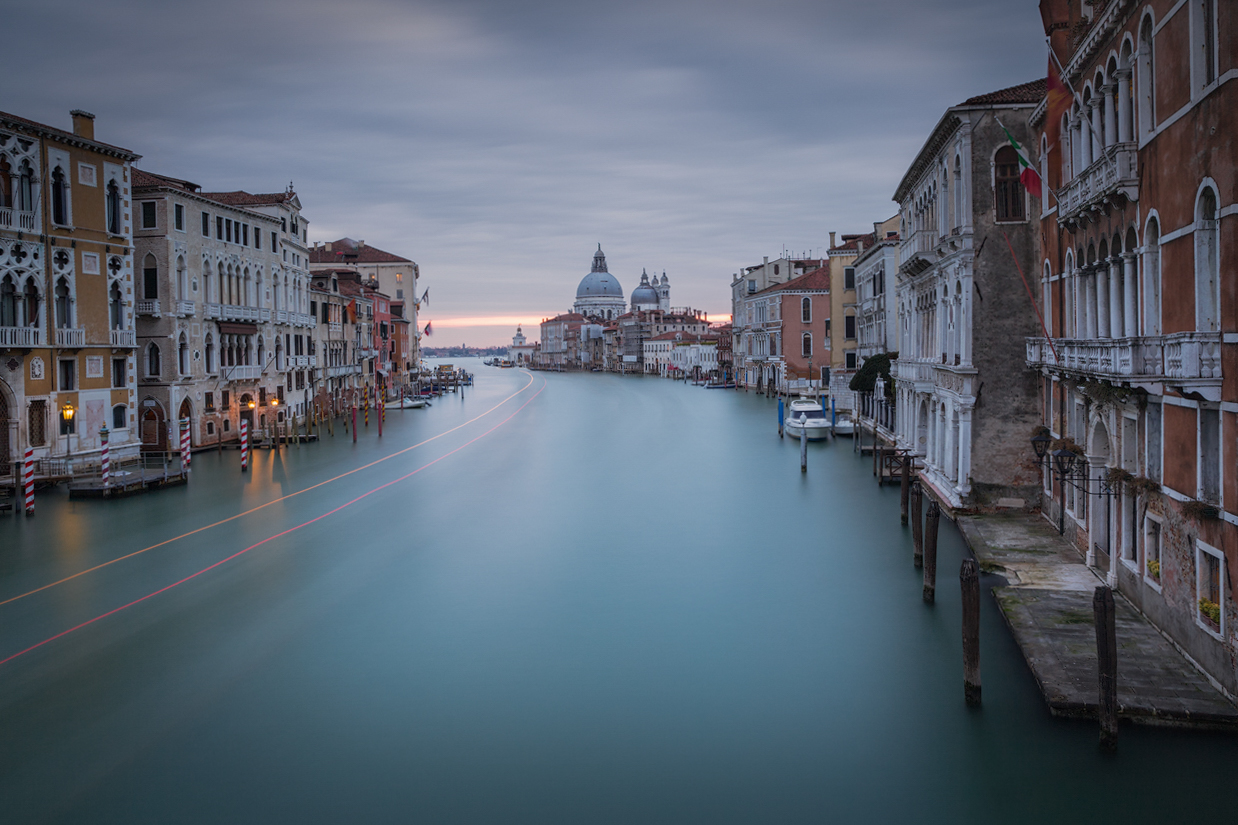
66	292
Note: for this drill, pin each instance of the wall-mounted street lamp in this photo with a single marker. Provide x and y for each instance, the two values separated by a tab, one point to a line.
1064	464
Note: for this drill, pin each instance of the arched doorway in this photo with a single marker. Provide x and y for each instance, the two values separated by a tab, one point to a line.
247	412
154	429
1100	551
186	414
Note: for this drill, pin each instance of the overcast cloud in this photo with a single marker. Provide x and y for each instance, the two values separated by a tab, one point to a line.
496	143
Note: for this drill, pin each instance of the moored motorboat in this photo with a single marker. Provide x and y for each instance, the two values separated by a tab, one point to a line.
805	414
844	424
409	403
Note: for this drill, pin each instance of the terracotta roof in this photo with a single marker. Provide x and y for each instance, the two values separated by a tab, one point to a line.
1031	92
241	198
346	250
818	279
150	179
853	242
567	316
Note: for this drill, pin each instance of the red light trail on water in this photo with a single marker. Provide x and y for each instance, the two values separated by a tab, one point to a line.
282	533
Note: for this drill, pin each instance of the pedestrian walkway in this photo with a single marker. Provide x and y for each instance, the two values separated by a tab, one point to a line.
1047	604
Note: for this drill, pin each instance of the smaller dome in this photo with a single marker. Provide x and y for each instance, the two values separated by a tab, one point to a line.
645	293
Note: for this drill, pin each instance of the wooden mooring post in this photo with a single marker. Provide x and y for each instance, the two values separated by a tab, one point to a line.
917	523
904	487
1107	665
804	447
931	520
969	582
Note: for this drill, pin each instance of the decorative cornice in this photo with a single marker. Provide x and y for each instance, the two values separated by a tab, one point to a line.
946	127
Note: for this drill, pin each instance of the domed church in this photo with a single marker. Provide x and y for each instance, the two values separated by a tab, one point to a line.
599	294
652	294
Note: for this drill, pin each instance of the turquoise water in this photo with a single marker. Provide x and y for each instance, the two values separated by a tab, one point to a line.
620	602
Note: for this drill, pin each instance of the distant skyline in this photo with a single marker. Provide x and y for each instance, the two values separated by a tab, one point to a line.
497	144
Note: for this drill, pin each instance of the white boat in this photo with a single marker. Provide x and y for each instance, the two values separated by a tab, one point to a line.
807	415
410	403
844	425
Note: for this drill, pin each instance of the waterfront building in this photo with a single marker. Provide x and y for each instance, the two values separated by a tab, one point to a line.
66	292
599	294
395	276
967	226
521	351
338	369
211	342
1140	301
875	268
751	369
786	332
844	324
560	347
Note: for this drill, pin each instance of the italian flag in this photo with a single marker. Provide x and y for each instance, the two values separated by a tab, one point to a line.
1028	175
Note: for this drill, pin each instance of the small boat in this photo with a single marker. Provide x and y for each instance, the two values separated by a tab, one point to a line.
806	414
726	386
844	425
410	403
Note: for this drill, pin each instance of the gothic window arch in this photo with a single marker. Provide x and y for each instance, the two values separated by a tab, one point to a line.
210	353
154	364
806	310
8	302
64	304
25	187
182	279
1152	276
60	197
150	278
1146	78
1009	197
182	355
112	202
1207	271
115	306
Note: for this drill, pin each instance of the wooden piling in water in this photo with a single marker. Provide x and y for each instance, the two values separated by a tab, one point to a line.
804	448
917	524
969	582
904	488
932	519
1107	665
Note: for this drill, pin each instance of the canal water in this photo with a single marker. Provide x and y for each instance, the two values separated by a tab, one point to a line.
558	598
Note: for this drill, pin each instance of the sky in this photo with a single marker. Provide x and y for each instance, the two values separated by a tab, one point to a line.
496	142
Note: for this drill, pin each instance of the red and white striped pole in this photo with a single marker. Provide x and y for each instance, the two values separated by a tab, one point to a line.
186	451
27	474
105	462
354	423
244	445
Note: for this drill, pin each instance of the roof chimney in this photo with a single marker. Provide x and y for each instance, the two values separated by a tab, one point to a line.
831	240
859	245
83	124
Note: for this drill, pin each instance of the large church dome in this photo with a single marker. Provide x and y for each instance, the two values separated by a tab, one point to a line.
599	283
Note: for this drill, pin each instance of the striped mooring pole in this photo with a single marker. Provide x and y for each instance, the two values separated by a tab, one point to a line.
186	452
354	423
244	445
27	475
367	408
105	461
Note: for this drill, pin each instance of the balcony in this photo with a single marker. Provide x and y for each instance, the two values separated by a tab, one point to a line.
301	319
183	309
1192	358
1112	178
71	338
915	372
918	252
150	308
21	337
335	326
342	369
123	338
264	314
241	372
230	312
281	316
18	219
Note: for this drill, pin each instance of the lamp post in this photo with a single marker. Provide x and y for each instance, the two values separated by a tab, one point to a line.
66	415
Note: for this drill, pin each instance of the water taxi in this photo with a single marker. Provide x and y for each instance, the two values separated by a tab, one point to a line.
807	415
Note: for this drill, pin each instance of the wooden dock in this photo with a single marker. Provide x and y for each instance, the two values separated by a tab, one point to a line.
132	478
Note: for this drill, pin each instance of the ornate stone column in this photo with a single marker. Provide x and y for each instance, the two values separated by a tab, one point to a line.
1124	106
1102	299
1094	109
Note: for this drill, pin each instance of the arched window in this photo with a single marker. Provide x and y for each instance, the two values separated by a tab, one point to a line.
25	188
115	306
1009	189
806	345
112	201
262	352
64	305
153	366
60	197
182	280
120	417
806	310
6	174
182	355
210	353
1146	80
1207	274
1064	144
8	302
150	278
30	310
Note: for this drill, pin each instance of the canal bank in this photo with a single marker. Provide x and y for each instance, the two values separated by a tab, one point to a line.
625	603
